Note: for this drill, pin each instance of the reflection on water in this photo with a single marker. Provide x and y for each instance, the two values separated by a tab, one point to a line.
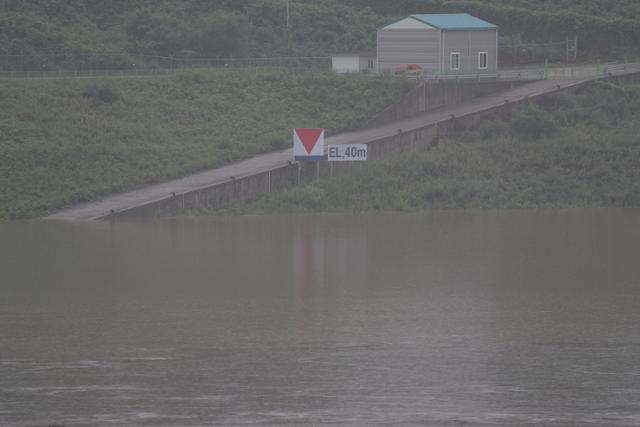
481	318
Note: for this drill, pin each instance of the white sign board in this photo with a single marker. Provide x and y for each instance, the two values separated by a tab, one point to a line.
308	144
347	152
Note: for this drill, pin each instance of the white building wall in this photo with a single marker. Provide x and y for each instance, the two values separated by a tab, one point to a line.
469	44
368	64
409	46
346	64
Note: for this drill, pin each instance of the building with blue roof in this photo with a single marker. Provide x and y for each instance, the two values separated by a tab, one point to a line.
455	44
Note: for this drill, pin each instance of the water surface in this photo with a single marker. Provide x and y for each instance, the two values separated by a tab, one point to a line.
453	318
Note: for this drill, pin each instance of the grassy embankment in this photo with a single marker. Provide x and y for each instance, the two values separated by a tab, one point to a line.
565	150
69	141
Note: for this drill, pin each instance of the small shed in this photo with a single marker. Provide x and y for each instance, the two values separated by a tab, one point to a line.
443	44
354	62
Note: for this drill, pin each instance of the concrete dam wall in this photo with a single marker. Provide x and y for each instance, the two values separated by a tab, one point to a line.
433	95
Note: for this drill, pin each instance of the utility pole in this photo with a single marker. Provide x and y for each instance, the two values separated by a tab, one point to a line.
288	28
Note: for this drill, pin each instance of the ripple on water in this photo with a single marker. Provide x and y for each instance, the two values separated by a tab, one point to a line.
147	359
52	390
49	366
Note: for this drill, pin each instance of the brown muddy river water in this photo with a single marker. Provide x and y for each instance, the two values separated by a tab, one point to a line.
453	318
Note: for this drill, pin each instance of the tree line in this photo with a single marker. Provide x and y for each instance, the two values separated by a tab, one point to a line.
65	33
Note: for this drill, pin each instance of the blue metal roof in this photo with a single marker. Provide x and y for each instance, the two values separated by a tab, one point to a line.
455	21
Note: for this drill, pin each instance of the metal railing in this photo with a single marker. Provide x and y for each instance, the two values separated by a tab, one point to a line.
571	73
538	73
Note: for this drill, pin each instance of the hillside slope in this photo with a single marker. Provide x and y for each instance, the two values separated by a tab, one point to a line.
68	141
565	150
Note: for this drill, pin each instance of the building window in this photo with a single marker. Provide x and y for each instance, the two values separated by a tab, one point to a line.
483	60
455	61
370	64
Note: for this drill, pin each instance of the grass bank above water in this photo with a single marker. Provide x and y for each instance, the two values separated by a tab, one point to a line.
570	149
67	141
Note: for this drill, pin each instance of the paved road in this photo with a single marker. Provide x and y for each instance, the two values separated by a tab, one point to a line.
262	163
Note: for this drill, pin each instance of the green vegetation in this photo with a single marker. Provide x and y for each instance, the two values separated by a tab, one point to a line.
68	141
565	150
44	34
63	142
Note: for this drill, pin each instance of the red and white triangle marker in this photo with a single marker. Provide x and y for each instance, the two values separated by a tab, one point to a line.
308	144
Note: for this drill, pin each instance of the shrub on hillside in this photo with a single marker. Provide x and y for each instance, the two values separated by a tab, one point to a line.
533	121
192	77
102	92
632	196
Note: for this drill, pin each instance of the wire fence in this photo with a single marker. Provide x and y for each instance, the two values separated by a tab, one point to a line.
539	73
60	63
511	54
166	66
532	53
570	73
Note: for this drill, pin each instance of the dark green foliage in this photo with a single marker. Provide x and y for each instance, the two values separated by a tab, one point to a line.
533	121
68	141
167	32
593	159
132	33
631	197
